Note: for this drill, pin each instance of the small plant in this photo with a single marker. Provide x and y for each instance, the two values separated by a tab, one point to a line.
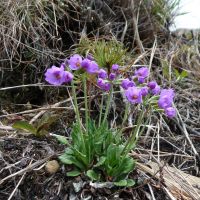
105	53
40	128
95	148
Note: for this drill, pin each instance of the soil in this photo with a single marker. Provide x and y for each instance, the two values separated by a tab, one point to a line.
23	175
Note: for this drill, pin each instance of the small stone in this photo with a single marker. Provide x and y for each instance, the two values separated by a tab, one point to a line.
52	166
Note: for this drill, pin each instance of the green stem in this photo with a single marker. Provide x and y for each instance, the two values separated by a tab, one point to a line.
134	134
141	131
86	101
77	113
108	104
125	113
101	109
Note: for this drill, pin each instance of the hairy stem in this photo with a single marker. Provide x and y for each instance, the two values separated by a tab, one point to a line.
133	135
108	104
125	113
77	113
86	101
101	110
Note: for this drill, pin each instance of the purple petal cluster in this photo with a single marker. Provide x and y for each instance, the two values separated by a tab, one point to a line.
103	84
90	57
154	87
115	68
144	91
156	90
58	76
112	76
141	74
75	62
166	98
68	77
165	102
126	83
91	67
133	95
170	112
102	74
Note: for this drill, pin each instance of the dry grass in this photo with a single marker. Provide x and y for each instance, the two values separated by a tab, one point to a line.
30	31
35	33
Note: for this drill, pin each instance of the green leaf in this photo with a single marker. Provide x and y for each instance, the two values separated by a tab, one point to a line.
101	161
165	69
130	183
121	183
177	74
46	120
65	159
74	173
92	175
61	139
80	156
69	151
184	74
23	125
129	164
71	159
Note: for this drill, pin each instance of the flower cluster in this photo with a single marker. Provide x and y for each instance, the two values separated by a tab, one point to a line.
165	102
104	80
135	94
58	75
135	88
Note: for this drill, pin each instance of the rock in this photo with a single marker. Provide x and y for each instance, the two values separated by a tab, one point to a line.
52	166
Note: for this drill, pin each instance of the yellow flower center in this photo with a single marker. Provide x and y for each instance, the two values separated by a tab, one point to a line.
134	96
57	76
78	64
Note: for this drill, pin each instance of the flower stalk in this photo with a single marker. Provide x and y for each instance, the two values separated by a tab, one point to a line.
86	100
108	104
77	113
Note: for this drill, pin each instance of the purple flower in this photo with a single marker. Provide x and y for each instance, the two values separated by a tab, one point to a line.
152	84
156	90
144	91
166	98
67	76
63	65
126	83
103	84
90	66
93	68
90	57
115	67
102	74
142	73
141	79
112	76
85	63
55	75
168	92
154	87
170	112
75	62
133	95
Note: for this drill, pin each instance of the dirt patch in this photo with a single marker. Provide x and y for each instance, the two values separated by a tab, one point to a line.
23	175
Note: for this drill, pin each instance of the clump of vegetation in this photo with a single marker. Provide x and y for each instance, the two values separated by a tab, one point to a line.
96	149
